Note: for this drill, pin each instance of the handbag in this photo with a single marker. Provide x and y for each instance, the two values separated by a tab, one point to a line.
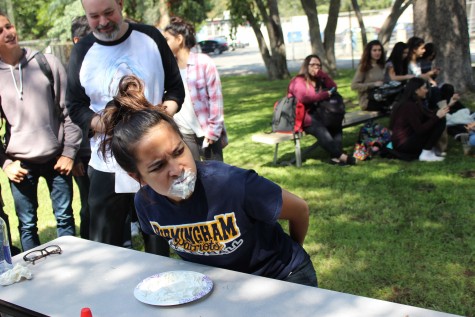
331	112
386	91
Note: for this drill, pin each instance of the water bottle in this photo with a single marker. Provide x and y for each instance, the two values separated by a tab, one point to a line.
5	254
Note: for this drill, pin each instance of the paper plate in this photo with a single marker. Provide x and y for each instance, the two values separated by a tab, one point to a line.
173	288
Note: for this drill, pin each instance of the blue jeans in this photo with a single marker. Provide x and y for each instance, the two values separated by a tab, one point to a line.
25	195
471	139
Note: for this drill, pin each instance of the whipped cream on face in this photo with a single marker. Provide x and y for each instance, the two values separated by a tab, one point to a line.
184	185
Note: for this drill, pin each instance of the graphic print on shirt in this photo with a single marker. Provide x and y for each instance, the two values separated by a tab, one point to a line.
215	237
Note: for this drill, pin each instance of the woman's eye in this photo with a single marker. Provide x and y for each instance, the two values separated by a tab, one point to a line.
156	168
179	152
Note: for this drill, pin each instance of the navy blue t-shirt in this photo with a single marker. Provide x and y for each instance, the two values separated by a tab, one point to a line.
230	221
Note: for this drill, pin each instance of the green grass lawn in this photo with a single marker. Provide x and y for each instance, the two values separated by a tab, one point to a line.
387	229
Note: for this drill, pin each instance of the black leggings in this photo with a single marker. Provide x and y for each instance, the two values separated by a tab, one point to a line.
329	138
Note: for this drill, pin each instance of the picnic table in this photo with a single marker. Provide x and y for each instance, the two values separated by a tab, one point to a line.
103	277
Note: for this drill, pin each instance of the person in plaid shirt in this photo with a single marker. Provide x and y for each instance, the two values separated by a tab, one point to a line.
201	120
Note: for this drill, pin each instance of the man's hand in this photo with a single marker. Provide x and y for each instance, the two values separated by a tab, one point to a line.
78	169
64	165
15	172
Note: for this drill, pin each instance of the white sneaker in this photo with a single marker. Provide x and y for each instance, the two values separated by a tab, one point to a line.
437	152
429	156
134	229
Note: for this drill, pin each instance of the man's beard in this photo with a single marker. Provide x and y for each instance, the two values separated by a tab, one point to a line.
110	36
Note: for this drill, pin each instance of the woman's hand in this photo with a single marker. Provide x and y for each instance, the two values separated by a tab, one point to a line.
442	112
378	83
470	126
454	99
435	71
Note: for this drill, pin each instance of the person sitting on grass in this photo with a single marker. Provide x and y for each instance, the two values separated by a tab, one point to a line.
416	129
210	212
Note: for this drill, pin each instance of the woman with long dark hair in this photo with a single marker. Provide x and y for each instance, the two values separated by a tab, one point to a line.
396	65
311	86
370	74
416	129
428	58
417	49
201	118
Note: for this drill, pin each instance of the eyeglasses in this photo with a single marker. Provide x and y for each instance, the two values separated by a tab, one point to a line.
315	65
35	255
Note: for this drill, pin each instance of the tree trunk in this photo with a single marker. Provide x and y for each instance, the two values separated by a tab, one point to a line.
260	41
387	29
329	36
277	68
324	49
359	16
310	9
450	38
256	12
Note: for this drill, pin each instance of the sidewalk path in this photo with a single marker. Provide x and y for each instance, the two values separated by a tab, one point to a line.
249	61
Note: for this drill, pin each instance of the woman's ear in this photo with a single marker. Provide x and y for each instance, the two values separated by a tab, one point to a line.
137	178
181	39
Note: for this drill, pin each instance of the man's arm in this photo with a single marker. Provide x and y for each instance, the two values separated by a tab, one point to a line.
72	132
77	102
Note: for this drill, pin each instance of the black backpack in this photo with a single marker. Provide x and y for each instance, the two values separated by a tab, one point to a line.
332	111
46	69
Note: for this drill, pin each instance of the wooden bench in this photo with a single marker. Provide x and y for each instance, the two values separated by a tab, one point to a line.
275	138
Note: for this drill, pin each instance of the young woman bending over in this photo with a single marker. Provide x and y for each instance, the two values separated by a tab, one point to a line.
210	212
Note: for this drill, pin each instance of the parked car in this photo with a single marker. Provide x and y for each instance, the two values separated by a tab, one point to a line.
216	46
